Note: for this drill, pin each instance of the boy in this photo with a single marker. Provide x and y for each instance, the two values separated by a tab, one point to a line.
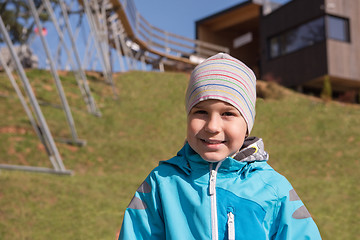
219	186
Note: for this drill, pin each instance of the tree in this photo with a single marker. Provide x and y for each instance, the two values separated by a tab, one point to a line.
326	92
18	19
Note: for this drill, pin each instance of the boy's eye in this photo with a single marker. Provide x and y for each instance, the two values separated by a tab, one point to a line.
200	112
228	114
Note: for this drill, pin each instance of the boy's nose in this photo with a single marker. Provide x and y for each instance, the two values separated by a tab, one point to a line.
213	124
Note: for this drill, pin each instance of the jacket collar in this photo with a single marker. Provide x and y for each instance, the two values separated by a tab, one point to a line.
252	150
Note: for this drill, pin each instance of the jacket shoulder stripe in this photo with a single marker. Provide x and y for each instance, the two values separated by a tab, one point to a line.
293	195
137	203
301	213
144	188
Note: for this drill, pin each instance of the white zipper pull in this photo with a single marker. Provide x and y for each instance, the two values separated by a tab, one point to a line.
231	226
212	186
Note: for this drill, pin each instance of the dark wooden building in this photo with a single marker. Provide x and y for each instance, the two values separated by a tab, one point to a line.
298	44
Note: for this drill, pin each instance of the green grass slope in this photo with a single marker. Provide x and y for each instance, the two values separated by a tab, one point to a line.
316	145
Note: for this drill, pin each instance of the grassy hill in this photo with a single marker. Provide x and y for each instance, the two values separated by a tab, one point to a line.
316	145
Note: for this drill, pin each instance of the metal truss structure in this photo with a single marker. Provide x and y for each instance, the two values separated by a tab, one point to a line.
114	32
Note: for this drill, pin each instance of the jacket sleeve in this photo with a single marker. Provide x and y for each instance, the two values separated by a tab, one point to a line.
143	218
293	220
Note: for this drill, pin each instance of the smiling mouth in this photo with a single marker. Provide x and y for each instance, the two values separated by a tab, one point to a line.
212	142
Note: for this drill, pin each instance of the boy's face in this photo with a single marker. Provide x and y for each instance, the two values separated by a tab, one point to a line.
215	130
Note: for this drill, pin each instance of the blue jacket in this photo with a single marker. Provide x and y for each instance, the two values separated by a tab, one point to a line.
242	197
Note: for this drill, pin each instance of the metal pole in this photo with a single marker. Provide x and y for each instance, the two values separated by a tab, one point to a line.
88	52
57	163
128	52
104	35
92	103
18	92
58	84
80	75
35	169
101	52
27	110
116	41
93	30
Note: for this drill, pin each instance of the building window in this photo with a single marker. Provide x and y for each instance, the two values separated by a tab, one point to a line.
308	34
337	28
303	36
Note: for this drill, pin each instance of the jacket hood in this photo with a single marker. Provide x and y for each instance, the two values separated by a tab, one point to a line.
251	155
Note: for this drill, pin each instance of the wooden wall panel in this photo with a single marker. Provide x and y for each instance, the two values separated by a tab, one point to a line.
344	58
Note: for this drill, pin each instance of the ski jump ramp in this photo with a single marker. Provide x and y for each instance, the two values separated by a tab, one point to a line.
141	41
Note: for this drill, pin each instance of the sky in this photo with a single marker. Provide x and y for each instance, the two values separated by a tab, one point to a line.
179	17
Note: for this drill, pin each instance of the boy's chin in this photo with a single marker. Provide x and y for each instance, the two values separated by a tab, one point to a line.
213	159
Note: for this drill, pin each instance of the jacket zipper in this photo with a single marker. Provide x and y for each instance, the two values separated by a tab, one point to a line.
212	192
231	226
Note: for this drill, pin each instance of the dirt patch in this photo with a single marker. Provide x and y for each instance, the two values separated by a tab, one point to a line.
72	148
48	87
40	147
15	130
18	156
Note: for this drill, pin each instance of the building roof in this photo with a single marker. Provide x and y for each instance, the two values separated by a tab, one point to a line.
267	6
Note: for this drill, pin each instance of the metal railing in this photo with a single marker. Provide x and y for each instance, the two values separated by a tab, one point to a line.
163	43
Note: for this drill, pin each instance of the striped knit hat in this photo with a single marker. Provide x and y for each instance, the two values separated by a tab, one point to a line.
227	79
